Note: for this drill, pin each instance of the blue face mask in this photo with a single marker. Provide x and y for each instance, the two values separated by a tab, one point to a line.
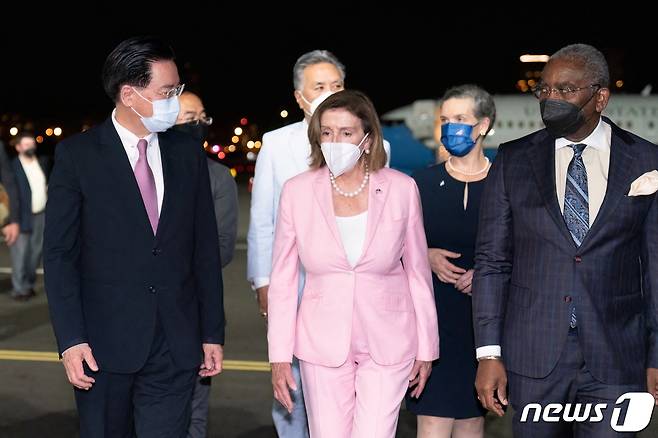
456	137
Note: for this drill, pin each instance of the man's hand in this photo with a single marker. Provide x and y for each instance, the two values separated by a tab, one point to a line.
282	382
652	383
463	285
261	295
446	271
72	359
491	378
11	232
418	377
213	356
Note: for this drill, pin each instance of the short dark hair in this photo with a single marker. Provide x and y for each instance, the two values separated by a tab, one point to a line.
24	134
130	63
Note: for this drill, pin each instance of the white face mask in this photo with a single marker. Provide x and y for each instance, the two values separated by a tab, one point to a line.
341	157
165	112
313	105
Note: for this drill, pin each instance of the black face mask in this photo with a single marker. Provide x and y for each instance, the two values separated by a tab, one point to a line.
30	153
198	131
562	118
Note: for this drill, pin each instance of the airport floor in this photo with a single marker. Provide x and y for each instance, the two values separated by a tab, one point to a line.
36	400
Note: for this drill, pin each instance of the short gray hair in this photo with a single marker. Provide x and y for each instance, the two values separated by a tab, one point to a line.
484	105
311	58
590	57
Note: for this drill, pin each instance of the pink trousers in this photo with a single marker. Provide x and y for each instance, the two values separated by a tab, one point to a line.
359	399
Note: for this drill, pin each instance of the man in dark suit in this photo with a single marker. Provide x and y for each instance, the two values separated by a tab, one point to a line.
565	291
31	180
132	255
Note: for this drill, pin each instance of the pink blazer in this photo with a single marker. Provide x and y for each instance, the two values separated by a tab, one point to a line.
391	282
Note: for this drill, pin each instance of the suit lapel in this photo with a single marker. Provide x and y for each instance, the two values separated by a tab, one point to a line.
323	196
619	180
542	159
299	146
378	191
168	163
119	166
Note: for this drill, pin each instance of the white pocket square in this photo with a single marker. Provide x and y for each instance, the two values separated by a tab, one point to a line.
646	184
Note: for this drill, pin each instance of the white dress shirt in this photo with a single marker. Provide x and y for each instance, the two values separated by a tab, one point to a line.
37	181
596	157
353	234
129	141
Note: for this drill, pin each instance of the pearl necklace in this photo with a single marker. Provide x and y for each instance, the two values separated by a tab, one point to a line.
350	194
469	173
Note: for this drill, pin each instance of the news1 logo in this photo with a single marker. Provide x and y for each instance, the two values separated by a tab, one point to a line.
638	412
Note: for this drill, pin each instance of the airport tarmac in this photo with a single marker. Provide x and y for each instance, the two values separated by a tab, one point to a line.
37	401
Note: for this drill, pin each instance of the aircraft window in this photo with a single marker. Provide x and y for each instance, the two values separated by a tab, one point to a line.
531	123
499	124
651	124
629	124
510	124
521	124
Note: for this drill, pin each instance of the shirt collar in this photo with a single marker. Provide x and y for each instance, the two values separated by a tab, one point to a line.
598	139
128	139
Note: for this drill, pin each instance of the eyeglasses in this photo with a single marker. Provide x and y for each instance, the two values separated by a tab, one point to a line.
176	91
201	121
544	92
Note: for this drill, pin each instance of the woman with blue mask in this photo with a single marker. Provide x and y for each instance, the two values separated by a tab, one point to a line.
450	195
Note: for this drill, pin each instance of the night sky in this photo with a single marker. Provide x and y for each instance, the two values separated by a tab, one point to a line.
240	60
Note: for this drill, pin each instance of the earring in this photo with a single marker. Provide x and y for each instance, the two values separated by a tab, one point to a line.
367	151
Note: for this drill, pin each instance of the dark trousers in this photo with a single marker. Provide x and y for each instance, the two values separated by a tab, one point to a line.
26	256
200	404
569	382
151	403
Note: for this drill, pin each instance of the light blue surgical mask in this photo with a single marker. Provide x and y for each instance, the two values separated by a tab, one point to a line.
456	137
165	112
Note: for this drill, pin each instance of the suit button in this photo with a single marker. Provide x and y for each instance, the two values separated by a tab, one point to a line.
154	252
577	259
152	289
567	299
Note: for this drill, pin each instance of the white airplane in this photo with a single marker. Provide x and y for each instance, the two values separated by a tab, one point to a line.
518	115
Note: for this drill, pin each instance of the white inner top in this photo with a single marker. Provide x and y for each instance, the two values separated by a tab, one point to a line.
353	233
37	181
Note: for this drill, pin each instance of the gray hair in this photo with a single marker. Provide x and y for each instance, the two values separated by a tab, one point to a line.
484	105
590	57
311	58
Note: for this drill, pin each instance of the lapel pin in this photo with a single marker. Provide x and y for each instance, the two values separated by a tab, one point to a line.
442	183
378	190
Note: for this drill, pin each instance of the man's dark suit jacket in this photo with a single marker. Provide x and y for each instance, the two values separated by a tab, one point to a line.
8	180
110	282
528	269
225	198
25	192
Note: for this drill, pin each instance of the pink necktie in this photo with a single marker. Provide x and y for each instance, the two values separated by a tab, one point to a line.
146	183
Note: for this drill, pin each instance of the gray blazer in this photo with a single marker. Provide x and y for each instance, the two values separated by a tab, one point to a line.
225	198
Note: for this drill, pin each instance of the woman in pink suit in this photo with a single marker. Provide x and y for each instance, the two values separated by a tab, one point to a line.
366	327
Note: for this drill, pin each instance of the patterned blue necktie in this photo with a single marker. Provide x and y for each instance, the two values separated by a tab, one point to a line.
576	203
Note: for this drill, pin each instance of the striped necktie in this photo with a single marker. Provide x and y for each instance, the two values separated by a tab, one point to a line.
576	203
